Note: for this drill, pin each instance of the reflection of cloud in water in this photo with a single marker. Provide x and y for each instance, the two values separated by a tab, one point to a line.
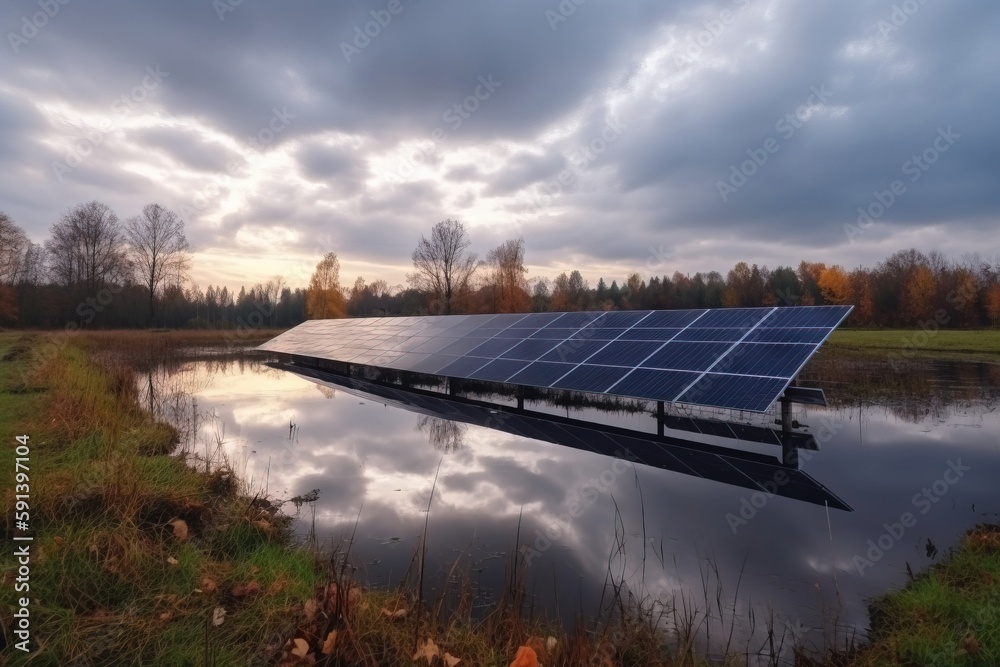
362	452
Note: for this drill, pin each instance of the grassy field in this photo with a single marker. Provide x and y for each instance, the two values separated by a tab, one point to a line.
981	343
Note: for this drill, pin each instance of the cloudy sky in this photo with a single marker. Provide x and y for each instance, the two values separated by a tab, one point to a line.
644	135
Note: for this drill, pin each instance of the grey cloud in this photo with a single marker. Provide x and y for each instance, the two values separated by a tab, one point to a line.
685	127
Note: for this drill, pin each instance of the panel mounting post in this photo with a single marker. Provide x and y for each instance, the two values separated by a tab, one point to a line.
789	454
659	418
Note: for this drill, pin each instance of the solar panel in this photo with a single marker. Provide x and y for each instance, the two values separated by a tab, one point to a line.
735	358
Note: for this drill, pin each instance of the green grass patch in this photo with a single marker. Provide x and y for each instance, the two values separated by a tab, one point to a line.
948	616
980	343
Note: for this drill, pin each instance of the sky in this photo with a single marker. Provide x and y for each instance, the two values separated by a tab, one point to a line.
614	137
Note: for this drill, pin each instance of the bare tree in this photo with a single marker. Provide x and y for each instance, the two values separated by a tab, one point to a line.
87	248
14	248
272	295
508	288
159	249
443	265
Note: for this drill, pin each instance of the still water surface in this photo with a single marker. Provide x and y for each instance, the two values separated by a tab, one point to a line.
924	442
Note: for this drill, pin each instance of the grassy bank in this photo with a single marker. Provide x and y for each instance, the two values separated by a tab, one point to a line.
974	344
134	551
948	616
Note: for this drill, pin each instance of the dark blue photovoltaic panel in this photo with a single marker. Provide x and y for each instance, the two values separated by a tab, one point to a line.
484	332
654	384
574	320
498	370
505	320
732	317
516	332
432	345
687	356
460	346
671	318
710	334
749	354
597	333
815	316
574	351
541	374
774	359
493	347
473	322
591	378
529	350
734	392
463	367
554	334
649	334
424	363
787	336
624	353
623	319
538	319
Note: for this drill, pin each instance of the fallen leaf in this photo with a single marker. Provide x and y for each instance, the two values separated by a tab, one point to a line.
301	648
208	584
428	651
330	643
172	560
450	660
525	657
218	616
536	644
393	615
245	590
180	529
310	608
166	616
551	643
58	541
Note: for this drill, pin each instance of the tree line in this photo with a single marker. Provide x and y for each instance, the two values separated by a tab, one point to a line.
96	270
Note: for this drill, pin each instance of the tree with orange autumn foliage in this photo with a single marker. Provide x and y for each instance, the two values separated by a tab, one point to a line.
919	293
834	285
325	300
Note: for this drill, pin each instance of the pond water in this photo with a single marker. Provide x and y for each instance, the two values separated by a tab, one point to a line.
914	452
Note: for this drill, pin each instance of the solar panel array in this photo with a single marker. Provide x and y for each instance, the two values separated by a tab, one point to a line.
736	358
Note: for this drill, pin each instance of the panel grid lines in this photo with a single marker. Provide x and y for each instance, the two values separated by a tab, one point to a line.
739	358
721	357
609	342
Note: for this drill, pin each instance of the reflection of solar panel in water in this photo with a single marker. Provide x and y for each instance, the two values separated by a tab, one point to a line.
748	470
738	358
